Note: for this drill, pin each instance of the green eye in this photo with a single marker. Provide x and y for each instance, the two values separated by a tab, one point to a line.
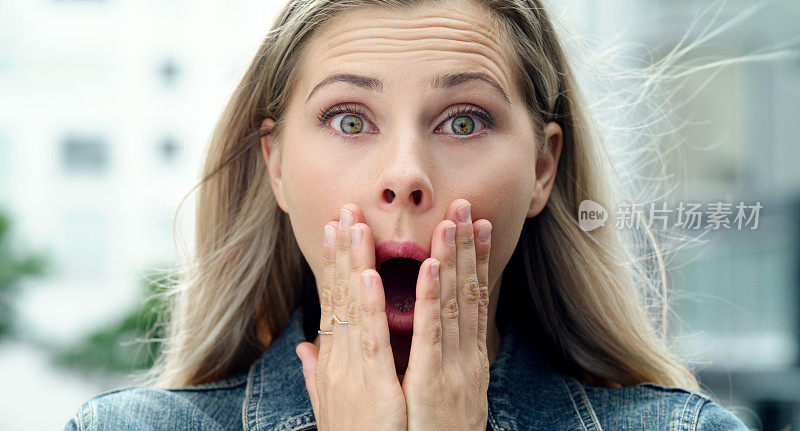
351	124
463	125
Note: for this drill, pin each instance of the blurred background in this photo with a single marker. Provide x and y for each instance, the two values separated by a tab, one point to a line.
106	106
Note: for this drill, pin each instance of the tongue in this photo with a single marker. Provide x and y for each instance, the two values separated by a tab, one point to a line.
399	282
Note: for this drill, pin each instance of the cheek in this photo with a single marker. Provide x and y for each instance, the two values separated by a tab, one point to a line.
313	190
505	195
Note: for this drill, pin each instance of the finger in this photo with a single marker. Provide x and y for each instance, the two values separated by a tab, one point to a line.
329	274
326	289
341	287
483	233
444	250
426	343
362	257
308	354
376	348
468	287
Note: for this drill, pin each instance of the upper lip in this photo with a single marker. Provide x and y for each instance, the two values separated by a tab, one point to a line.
397	249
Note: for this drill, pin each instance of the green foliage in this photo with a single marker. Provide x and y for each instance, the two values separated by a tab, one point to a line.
120	347
12	269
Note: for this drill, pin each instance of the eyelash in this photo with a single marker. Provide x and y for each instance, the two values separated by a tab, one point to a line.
327	114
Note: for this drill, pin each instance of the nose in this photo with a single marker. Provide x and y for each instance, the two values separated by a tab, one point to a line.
404	179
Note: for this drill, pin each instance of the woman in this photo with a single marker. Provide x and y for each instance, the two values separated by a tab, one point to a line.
373	154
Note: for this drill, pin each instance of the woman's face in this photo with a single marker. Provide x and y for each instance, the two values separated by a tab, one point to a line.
400	117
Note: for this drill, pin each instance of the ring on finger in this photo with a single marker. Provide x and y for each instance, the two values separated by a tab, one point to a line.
336	319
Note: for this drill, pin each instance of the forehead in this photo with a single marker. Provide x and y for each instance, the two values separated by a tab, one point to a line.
408	46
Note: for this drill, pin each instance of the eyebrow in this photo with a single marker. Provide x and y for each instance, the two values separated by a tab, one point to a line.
446	80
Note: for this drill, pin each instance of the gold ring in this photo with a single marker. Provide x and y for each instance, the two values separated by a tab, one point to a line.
335	319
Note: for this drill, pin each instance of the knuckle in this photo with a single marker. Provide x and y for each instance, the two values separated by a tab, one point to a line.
472	291
482	350
339	292
477	373
343	242
483	260
450	309
367	307
483	296
432	293
435	333
370	347
452	259
328	256
326	296
465	240
354	313
355	264
482	320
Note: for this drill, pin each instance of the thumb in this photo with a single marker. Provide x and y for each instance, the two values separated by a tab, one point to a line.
308	354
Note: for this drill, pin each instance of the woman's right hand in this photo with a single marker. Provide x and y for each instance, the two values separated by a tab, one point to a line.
351	379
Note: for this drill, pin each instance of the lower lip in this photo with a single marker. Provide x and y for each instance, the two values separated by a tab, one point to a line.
400	323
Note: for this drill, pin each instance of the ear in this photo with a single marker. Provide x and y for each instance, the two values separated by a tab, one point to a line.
546	167
272	158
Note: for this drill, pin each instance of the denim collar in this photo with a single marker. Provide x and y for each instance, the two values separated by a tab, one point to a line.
525	390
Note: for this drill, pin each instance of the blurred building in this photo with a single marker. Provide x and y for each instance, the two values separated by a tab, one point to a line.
105	107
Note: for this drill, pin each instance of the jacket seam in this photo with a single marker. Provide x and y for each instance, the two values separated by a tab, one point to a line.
589	406
248	394
585	407
86	422
115	390
222	384
690	413
301	422
307	426
79	421
574	405
658	387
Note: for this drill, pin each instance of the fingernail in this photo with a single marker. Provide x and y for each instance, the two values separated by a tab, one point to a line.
463	213
345	218
330	234
435	271
355	236
485	233
450	233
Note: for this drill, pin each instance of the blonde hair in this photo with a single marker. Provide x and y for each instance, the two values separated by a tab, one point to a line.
589	297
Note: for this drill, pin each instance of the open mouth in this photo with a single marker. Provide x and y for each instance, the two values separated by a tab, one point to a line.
399	276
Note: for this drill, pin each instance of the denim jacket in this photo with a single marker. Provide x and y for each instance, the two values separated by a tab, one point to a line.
525	393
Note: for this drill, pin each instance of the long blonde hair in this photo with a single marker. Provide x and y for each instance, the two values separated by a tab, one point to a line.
590	297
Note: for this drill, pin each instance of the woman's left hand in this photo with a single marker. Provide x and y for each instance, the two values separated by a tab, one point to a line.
447	379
